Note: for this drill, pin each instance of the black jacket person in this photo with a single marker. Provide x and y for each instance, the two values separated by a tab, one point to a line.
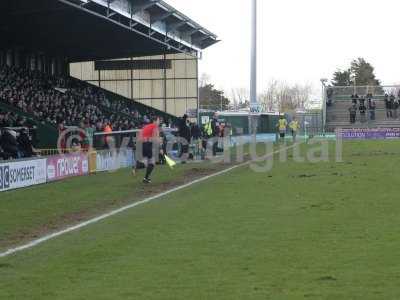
184	133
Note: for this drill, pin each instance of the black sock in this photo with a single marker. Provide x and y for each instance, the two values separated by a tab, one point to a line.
149	170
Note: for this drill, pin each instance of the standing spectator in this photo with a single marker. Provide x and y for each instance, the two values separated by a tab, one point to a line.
395	108
362	101
354	99
62	138
392	105
363	111
294	127
195	132
25	144
282	126
89	136
221	129
215	133
387	106
163	148
184	133
108	139
229	132
353	113
207	133
372	108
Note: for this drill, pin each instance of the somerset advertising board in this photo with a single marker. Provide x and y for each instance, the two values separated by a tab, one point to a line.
19	174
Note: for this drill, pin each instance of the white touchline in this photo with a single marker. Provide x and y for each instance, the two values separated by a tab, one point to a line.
124	208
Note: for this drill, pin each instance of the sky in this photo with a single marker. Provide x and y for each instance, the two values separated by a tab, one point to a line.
298	41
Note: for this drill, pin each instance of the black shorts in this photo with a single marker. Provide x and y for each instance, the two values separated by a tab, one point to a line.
148	150
282	134
185	149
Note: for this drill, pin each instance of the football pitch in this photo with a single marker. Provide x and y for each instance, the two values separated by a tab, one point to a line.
304	230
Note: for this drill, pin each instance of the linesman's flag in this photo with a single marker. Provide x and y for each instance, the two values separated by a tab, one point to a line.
170	162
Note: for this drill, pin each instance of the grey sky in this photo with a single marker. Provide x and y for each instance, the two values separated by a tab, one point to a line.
299	41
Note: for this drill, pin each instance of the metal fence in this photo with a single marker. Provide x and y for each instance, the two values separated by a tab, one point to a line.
345	92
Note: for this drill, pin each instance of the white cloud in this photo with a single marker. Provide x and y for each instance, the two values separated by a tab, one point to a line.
299	41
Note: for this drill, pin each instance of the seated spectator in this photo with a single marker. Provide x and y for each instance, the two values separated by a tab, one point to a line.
57	99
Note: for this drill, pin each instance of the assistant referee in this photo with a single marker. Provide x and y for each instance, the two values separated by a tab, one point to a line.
149	135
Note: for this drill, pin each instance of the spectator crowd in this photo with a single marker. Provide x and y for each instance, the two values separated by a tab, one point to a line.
362	105
61	102
392	104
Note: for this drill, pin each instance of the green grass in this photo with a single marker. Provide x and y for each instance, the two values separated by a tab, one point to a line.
302	231
29	212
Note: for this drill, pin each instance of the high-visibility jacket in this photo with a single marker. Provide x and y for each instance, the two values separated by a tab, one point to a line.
282	124
294	125
208	129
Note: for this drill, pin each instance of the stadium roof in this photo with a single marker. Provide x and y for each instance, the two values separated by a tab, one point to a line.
98	29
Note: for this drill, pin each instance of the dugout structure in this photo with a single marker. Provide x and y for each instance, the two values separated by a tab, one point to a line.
144	50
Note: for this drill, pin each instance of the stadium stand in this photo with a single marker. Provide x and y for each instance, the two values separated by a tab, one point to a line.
56	100
362	107
37	94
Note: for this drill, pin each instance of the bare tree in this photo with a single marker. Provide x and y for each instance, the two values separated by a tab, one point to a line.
268	98
281	96
240	98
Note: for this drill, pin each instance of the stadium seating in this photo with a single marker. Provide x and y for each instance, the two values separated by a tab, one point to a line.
54	100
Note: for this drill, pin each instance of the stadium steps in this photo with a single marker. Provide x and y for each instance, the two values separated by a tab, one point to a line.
338	116
331	126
